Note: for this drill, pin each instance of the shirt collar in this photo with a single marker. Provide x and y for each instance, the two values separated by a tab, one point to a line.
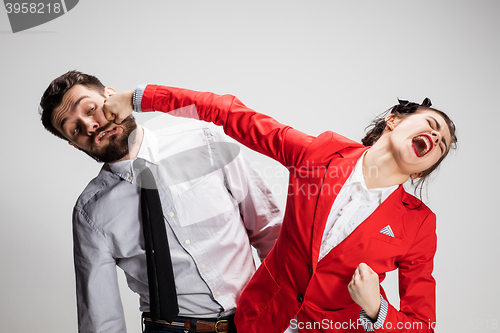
122	169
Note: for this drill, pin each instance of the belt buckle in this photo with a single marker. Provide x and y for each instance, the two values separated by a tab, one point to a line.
220	322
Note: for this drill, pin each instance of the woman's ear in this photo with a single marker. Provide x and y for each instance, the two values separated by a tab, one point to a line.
390	122
416	175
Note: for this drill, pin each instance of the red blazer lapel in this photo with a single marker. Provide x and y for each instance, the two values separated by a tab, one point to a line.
337	172
389	212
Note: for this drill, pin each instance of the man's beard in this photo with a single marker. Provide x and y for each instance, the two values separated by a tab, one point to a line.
117	146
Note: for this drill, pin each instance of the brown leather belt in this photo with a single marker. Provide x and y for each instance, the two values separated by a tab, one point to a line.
223	325
219	326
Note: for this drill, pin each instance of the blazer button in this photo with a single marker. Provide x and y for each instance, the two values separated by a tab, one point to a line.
300	298
311	270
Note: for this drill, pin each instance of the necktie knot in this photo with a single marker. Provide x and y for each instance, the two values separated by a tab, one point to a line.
144	176
139	163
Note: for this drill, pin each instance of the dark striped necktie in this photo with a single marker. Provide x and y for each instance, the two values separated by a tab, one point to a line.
162	294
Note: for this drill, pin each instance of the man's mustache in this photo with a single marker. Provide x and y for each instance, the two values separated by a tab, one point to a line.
104	128
109	125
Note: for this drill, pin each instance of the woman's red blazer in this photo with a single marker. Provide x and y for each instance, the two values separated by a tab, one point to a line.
291	286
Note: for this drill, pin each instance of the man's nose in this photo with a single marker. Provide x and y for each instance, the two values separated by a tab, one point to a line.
91	125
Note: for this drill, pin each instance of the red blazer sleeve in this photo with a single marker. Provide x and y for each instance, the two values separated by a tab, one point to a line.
417	287
254	130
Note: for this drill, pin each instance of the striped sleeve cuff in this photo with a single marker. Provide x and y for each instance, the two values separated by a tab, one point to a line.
367	323
137	99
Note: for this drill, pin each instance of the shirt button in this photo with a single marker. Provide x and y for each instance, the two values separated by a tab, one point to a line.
300	298
203	266
171	214
217	293
187	241
130	178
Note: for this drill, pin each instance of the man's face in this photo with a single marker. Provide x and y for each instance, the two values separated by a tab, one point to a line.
80	118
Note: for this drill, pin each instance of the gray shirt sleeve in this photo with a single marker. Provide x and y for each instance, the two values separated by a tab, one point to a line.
98	297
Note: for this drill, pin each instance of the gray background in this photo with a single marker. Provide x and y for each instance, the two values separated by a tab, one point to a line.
317	65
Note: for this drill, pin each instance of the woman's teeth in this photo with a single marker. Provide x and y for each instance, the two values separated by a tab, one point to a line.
422	145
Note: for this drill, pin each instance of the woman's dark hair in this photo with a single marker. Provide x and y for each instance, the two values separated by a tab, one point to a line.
53	95
402	110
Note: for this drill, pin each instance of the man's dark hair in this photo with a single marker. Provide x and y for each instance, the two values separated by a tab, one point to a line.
52	97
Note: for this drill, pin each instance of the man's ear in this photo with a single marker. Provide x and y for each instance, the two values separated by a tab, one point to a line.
72	144
416	175
108	91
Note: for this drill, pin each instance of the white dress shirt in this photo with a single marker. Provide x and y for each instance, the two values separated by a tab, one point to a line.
354	203
215	206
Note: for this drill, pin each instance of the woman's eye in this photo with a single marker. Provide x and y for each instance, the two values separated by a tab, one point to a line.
91	110
76	129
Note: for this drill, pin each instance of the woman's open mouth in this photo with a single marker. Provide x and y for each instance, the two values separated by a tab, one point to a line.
106	134
422	144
